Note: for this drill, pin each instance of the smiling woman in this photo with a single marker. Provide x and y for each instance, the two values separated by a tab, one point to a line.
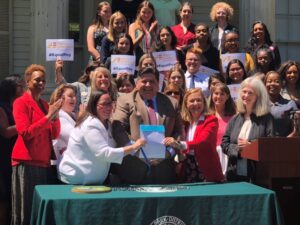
202	161
36	124
252	121
91	148
67	93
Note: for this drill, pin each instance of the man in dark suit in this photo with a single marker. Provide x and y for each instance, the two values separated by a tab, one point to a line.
145	105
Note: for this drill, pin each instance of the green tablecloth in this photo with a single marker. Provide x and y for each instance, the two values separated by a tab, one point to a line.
194	204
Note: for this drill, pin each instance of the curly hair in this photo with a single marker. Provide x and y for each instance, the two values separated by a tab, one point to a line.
228	8
32	68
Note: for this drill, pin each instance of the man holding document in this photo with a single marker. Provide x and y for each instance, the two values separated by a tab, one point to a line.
146	106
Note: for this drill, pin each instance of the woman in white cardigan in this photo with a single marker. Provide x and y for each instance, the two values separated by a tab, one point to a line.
91	147
67	92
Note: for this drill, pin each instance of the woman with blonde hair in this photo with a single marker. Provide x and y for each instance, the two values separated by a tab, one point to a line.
102	81
221	13
98	29
202	162
252	121
117	25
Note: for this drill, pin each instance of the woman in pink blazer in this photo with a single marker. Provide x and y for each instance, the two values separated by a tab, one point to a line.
202	161
37	124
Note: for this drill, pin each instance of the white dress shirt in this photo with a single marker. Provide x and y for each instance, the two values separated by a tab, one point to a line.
89	154
200	81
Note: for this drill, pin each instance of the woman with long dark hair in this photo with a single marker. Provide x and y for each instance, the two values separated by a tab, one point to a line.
91	147
260	38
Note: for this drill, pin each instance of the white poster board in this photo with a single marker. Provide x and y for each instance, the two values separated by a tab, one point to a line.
226	58
165	60
154	148
122	64
59	48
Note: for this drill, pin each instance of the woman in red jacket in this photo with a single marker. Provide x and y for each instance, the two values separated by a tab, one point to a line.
202	162
37	124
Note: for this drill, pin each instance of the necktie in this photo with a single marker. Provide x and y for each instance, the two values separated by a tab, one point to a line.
192	82
151	112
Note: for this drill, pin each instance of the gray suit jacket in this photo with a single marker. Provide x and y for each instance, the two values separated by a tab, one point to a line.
130	112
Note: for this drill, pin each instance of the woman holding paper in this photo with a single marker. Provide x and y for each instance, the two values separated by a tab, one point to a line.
91	147
252	121
117	25
202	162
124	46
232	45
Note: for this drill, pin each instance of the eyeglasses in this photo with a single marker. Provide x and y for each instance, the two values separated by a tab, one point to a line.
173	93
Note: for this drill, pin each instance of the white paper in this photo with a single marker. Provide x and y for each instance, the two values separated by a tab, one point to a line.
122	63
154	134
226	58
208	71
59	48
165	60
234	91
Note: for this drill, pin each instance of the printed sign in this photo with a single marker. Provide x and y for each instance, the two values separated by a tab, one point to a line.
122	64
154	134
165	60
208	71
234	91
59	48
226	58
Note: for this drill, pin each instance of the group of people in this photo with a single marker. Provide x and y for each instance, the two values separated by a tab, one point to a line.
89	132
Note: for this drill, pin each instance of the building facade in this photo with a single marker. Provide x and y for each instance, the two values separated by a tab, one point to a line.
26	24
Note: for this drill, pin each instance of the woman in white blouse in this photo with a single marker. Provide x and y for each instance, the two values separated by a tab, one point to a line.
91	147
67	92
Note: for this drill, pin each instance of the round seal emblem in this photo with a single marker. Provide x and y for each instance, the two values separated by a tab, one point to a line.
167	220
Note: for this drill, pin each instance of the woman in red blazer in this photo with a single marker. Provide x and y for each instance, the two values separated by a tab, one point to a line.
36	124
202	162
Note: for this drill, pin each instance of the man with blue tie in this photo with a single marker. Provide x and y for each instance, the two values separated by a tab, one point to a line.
145	105
193	77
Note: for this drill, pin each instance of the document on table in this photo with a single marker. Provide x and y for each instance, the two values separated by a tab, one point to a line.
154	134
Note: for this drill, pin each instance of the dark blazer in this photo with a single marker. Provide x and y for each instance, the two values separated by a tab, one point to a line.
204	144
35	132
130	112
214	34
262	126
